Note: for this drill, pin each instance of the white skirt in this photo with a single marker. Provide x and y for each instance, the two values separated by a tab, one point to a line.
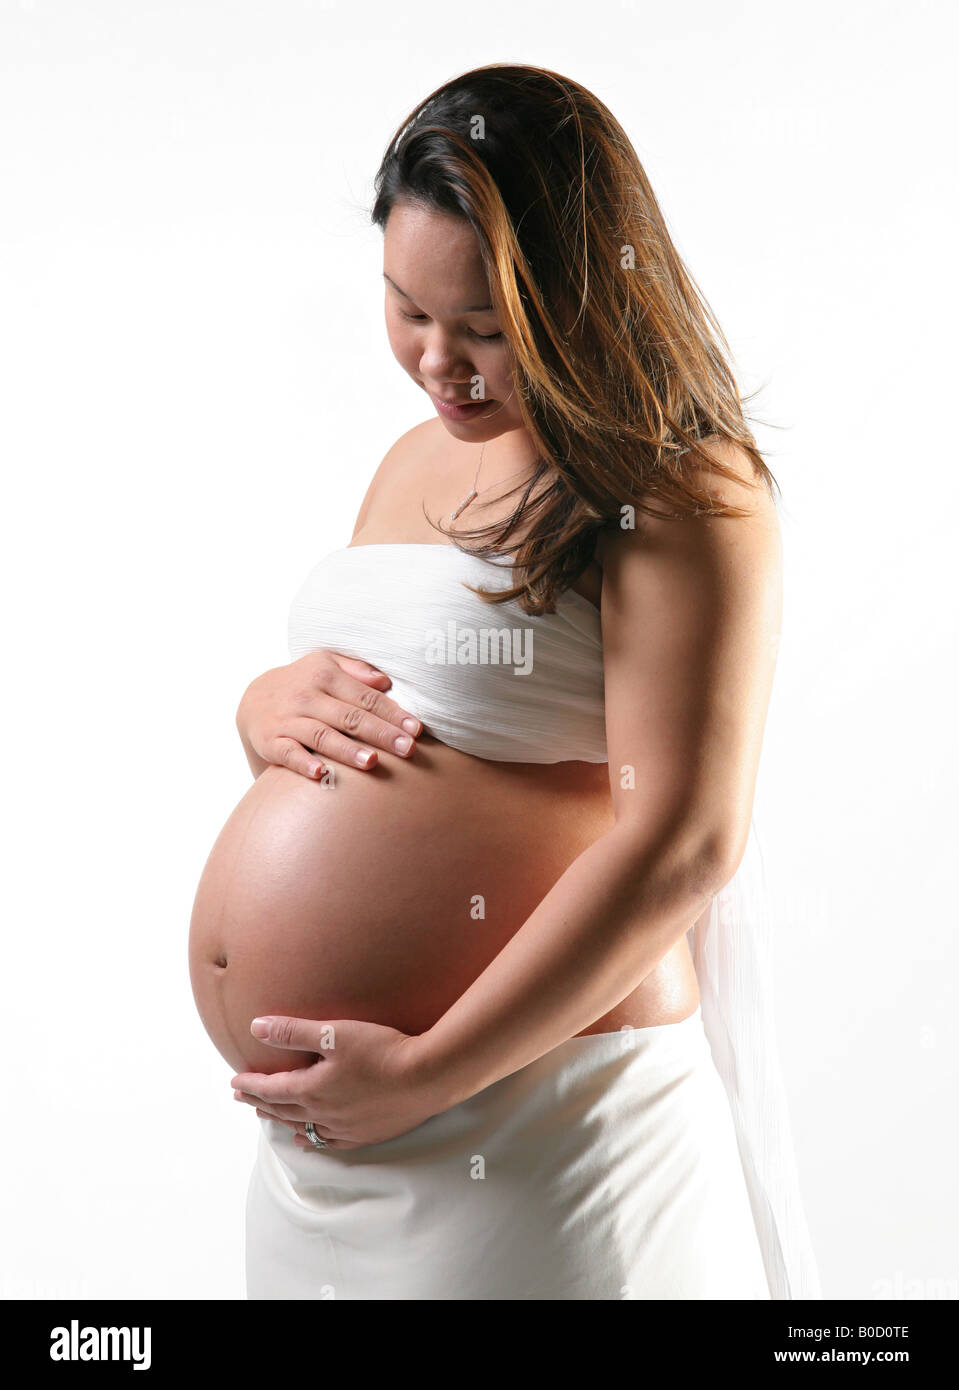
606	1169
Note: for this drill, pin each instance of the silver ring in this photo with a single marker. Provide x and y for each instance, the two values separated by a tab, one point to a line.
315	1139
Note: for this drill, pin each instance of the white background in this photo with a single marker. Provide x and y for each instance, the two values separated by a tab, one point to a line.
196	390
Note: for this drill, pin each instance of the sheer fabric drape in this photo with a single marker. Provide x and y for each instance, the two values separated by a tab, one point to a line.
731	950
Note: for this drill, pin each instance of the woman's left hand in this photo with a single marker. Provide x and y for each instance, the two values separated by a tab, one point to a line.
363	1089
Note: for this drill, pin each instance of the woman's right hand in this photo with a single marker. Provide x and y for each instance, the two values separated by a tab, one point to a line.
322	704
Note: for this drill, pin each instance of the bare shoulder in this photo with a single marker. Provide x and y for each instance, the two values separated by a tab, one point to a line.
394	470
415	441
739	485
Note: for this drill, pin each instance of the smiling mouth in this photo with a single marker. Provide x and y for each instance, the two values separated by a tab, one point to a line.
458	410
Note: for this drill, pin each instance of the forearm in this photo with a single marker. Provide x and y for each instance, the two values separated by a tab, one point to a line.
604	925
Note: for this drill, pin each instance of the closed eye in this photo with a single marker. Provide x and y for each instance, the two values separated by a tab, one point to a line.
483	337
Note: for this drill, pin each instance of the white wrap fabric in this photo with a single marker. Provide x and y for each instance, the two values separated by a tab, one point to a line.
517	689
605	1169
731	951
387	604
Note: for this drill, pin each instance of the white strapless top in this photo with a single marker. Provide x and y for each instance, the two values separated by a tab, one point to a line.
491	681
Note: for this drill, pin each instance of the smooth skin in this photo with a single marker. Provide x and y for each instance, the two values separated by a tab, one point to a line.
691	613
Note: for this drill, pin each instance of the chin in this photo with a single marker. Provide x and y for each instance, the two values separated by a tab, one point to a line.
479	433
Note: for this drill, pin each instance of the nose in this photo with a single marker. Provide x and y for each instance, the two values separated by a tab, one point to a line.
440	360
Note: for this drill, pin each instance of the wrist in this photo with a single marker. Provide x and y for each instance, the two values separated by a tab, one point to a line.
255	762
425	1071
239	718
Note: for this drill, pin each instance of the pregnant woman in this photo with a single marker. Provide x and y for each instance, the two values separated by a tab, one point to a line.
475	941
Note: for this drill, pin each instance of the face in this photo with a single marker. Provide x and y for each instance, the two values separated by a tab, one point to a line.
441	324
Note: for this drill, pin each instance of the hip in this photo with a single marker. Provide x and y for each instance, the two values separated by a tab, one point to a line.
607	1168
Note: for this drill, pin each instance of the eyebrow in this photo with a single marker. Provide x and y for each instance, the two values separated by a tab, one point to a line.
467	309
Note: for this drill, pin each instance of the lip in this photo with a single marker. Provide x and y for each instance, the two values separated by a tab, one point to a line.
454	411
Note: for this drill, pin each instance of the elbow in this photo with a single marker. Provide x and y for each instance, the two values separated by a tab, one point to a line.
718	852
712	861
720	858
697	863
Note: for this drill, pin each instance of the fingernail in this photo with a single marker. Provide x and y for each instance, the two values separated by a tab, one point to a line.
363	757
260	1027
412	726
403	744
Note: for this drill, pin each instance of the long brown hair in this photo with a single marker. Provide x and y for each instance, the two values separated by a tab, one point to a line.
622	370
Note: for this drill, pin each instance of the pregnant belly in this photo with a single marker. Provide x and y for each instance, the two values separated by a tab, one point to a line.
380	897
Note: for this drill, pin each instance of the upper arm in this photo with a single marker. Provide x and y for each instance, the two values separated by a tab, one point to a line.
691	613
388	469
